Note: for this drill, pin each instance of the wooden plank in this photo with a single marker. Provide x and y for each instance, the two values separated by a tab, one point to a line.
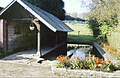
99	48
22	19
79	42
98	51
47	50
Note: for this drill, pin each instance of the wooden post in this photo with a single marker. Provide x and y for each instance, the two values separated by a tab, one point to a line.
39	46
36	22
4	35
78	33
56	42
1	32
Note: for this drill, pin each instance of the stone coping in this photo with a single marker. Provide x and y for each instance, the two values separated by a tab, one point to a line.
80	73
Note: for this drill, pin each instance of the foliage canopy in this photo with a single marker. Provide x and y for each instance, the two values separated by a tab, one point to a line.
54	7
0	8
104	16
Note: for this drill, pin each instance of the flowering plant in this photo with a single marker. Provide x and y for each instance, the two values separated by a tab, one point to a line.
111	50
90	62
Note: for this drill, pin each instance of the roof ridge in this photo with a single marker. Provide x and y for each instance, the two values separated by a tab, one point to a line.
48	19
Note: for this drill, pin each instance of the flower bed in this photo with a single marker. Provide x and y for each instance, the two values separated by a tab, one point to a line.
90	66
90	62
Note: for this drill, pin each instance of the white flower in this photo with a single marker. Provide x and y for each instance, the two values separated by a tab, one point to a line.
99	65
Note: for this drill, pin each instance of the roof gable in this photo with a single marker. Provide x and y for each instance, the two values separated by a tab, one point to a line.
48	19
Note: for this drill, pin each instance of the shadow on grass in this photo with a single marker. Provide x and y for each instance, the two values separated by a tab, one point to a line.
81	38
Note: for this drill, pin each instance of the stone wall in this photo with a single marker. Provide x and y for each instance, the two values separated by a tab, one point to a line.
80	73
12	43
16	35
20	37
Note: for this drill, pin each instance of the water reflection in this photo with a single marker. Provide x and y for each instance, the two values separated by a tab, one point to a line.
78	51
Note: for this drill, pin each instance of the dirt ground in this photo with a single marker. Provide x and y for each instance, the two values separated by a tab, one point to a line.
22	70
24	64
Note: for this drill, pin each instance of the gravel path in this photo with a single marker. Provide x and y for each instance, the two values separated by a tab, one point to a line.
21	70
24	64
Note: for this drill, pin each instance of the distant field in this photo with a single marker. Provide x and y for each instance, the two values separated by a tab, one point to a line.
81	32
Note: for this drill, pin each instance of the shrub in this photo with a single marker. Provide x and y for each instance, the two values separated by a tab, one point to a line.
94	25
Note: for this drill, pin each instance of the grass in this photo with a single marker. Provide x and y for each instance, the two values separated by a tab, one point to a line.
81	32
114	40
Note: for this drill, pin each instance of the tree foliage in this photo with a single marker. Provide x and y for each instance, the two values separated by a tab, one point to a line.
0	8
105	15
54	7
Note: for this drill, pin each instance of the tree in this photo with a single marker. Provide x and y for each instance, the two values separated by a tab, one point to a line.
0	8
54	7
105	15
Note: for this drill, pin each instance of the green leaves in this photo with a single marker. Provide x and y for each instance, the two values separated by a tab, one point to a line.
0	8
104	29
54	7
104	17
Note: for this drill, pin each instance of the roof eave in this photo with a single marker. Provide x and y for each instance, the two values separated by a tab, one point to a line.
3	10
36	15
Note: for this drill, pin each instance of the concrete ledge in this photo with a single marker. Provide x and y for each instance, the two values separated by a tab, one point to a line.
81	73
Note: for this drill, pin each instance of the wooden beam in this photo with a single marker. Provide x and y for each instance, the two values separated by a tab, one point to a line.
22	19
99	48
37	23
79	42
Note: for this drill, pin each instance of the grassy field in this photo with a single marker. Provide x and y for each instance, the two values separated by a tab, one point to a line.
81	32
114	40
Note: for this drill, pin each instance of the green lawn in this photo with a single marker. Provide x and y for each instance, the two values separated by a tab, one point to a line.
81	32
